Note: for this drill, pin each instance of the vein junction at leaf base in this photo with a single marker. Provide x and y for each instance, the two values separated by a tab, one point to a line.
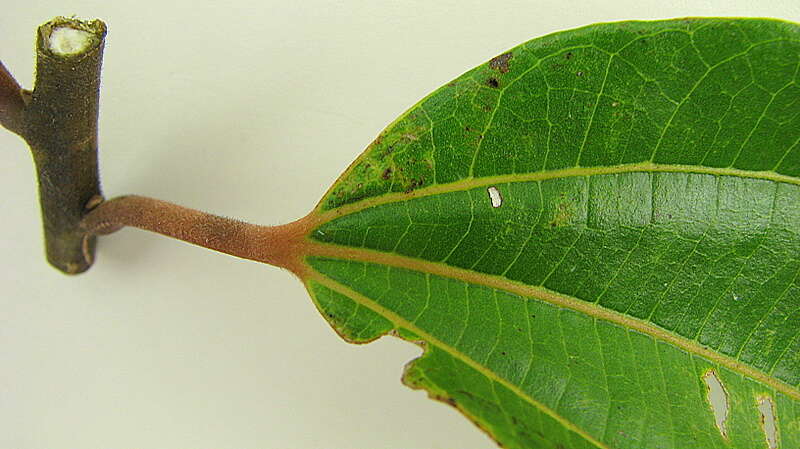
583	230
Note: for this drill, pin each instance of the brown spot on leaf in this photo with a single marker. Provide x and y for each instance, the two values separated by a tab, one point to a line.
414	184
387	173
500	63
492	82
568	55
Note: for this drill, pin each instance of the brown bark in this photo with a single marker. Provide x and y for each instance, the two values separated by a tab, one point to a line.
11	101
58	120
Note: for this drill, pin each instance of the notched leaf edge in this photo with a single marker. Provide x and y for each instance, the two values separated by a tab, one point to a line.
330	303
414	378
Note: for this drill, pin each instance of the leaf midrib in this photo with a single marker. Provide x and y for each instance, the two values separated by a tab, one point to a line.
323	217
560	300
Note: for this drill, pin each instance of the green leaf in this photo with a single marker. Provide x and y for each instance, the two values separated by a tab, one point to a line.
595	236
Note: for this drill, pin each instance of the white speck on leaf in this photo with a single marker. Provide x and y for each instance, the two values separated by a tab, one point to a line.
495	197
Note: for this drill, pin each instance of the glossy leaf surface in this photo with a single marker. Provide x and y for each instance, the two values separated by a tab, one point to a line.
589	234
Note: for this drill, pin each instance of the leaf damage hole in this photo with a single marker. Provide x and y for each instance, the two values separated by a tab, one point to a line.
717	398
495	197
769	422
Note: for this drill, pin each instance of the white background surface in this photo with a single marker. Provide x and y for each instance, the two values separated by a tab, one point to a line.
251	110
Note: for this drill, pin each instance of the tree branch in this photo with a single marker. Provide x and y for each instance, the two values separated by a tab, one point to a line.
11	102
58	120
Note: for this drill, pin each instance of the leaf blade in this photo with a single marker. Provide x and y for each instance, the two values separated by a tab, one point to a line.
661	199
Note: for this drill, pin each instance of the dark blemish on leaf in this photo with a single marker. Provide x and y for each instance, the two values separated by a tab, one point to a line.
579	73
414	184
492	82
387	173
503	353
568	55
501	62
487	108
